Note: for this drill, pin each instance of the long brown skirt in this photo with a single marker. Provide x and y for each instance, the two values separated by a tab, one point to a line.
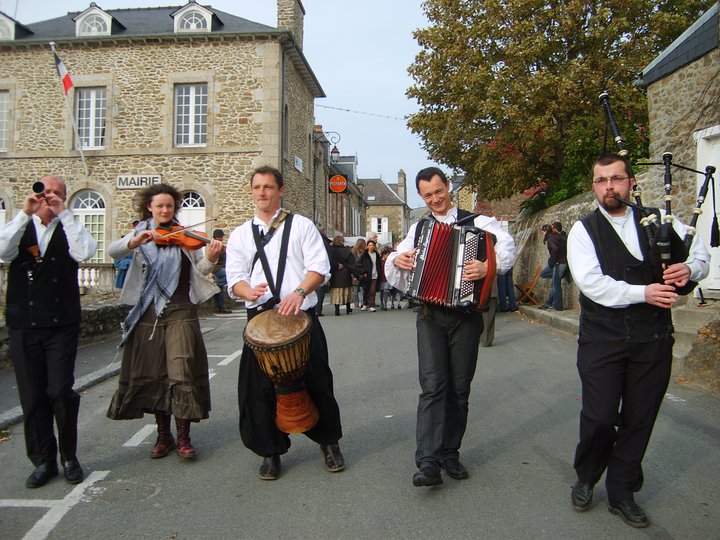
168	373
341	296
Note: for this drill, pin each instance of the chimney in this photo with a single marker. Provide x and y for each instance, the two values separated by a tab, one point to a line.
291	16
402	185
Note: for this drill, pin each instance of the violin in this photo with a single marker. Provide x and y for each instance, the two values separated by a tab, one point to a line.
177	235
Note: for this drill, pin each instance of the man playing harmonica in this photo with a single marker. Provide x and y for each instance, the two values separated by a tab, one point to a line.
447	339
625	346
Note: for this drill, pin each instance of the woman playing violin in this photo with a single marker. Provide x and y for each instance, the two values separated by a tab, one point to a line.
164	369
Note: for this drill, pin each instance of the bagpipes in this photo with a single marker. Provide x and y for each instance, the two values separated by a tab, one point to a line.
666	246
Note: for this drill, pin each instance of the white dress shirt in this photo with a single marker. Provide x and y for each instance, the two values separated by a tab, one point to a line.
504	247
81	243
306	253
607	291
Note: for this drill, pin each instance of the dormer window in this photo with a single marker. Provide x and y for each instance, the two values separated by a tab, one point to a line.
7	28
93	22
192	21
192	18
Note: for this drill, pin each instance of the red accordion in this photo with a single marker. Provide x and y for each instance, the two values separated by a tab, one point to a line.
442	253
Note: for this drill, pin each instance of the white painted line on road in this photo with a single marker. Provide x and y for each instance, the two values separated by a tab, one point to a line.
58	508
211	373
230	358
216	355
140	436
674	398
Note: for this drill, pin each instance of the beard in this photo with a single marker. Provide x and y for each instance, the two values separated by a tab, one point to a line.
610	204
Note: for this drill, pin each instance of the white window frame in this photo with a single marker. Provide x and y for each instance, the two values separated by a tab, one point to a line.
192	115
7	29
4	120
195	12
92	120
89	208
3	212
86	24
192	210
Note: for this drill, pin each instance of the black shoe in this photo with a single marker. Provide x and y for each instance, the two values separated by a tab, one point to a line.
630	513
334	460
41	475
581	496
270	468
427	476
73	471
455	469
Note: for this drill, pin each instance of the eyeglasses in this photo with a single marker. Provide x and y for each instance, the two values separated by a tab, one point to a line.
614	180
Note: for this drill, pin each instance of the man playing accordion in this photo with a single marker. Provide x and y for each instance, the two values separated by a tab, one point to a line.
447	339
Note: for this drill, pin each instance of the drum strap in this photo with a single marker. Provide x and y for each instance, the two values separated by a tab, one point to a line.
276	285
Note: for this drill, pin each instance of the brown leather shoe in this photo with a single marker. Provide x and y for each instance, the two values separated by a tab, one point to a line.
270	468
334	460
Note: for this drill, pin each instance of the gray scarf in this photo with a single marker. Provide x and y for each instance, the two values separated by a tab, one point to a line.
162	273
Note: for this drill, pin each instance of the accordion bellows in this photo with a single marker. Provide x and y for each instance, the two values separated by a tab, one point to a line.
443	251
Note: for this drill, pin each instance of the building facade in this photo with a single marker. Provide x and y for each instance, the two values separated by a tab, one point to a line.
185	95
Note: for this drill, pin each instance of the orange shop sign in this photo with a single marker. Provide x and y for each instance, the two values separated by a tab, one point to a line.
338	183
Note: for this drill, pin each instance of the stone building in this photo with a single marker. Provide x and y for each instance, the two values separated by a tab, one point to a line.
683	90
387	208
186	95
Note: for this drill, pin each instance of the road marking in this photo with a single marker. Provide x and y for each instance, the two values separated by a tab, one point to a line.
230	358
216	355
57	508
140	436
674	398
211	373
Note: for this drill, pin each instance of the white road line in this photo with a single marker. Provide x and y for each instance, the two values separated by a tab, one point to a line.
140	436
57	508
230	358
216	355
211	373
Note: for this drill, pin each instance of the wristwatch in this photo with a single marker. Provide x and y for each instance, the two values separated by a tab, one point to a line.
301	292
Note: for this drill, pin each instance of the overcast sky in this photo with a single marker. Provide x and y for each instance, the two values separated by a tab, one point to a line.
359	50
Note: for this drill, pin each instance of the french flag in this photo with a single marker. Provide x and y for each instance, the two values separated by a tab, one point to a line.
63	73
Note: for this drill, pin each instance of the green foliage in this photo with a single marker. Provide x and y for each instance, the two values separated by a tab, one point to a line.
508	89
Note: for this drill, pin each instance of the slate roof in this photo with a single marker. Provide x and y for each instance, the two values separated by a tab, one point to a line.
140	22
378	193
156	22
694	43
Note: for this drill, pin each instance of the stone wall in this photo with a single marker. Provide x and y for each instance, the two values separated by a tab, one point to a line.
244	122
679	105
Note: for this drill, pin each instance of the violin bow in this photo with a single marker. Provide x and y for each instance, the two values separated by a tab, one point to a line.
184	229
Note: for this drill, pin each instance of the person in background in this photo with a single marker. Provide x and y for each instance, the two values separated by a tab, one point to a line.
219	274
385	287
320	291
506	292
624	354
341	261
122	265
44	244
557	262
358	284
369	268
164	368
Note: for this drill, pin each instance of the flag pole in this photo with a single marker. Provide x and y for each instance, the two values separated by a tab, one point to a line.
74	123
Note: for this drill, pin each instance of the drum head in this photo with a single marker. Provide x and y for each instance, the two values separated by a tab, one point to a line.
270	329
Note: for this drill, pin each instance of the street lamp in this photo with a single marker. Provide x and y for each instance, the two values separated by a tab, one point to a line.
333	137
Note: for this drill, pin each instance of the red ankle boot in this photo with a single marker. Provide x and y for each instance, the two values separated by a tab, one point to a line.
165	442
184	447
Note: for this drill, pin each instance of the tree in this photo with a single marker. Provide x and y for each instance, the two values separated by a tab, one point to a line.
508	89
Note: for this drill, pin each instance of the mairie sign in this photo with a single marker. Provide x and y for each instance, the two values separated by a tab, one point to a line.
338	183
135	181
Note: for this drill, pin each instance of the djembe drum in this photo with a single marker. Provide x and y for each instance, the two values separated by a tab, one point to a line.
281	344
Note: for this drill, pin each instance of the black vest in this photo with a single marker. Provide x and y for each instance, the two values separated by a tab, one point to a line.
43	294
637	323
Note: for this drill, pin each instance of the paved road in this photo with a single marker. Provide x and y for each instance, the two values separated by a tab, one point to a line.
519	447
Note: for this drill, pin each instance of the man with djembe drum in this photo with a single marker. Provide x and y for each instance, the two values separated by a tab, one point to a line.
275	262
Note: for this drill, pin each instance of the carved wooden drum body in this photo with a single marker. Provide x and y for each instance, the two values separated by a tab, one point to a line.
282	347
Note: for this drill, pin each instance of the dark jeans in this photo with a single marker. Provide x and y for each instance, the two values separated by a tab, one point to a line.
447	343
506	292
369	290
555	299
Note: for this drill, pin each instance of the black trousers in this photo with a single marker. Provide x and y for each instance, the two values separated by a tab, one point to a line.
44	361
256	399
623	386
